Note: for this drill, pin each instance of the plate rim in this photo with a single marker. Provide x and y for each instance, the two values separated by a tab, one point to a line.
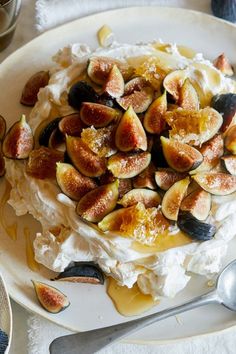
7	60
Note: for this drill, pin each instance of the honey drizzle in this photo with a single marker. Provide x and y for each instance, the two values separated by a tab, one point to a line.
11	230
31	262
129	302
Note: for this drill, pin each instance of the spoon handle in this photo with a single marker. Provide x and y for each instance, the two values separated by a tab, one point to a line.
91	341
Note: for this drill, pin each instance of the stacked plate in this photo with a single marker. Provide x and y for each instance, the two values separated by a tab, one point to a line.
5	319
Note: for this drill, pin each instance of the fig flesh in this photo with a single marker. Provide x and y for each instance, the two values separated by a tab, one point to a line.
71	125
72	182
147	197
222	63
173	198
2	127
80	92
130	134
229	162
97	114
19	140
83	158
47	130
226	105
51	299
31	89
216	183
2	165
181	157
114	85
139	100
230	140
154	121
188	98
135	84
146	178
82	272
165	178
128	165
198	204
174	81
99	202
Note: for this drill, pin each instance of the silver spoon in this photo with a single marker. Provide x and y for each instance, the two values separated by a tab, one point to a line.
91	341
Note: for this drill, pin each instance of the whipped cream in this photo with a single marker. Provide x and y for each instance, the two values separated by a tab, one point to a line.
158	274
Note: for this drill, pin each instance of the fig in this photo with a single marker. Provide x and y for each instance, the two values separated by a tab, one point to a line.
51	299
154	121
193	127
47	130
114	85
71	125
128	165
125	185
146	178
165	178
2	127
181	157
97	114
222	63
2	165
229	162
211	150
194	228
158	157
80	92
82	272
99	68
101	141
83	158
135	84
226	105
99	202
139	100
188	97
174	81
33	85
197	203
130	134
230	140
42	162
147	197
216	183
19	140
57	140
72	182
173	198
225	9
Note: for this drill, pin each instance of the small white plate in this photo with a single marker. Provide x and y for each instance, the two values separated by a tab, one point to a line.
90	306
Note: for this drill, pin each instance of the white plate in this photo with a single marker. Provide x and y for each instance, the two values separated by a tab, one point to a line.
90	306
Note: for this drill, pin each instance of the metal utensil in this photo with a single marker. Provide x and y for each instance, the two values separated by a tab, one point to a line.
91	341
5	317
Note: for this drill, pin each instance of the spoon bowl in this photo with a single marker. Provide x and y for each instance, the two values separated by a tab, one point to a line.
226	286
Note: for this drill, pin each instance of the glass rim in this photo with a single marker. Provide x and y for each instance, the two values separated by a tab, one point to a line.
6	3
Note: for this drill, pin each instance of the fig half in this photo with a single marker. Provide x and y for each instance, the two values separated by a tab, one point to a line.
165	178
229	162
19	140
47	130
198	203
146	178
222	63
139	100
114	86
51	299
154	121
181	157
31	89
226	105
97	114
188	97
216	183
71	125
148	197
82	272
80	92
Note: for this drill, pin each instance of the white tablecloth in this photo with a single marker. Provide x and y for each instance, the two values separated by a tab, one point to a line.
25	324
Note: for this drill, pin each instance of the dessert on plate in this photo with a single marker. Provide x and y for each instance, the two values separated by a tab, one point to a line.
128	160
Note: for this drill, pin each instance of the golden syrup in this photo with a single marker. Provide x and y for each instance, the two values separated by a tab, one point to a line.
31	262
129	302
11	230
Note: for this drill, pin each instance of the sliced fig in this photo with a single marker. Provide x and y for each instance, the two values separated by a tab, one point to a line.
135	84
51	299
125	185
2	165
226	105
173	198
2	127
57	140
99	202
128	165
181	157
97	114
71	125
165	178
230	140
174	81
148	197
229	162
211	150
194	228
82	272
188	97
80	92
154	121
130	134
42	162
72	182
19	140
222	63
99	68
83	158
101	141
146	178
197	203
216	183
139	100
114	85
33	85
47	130
193	127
